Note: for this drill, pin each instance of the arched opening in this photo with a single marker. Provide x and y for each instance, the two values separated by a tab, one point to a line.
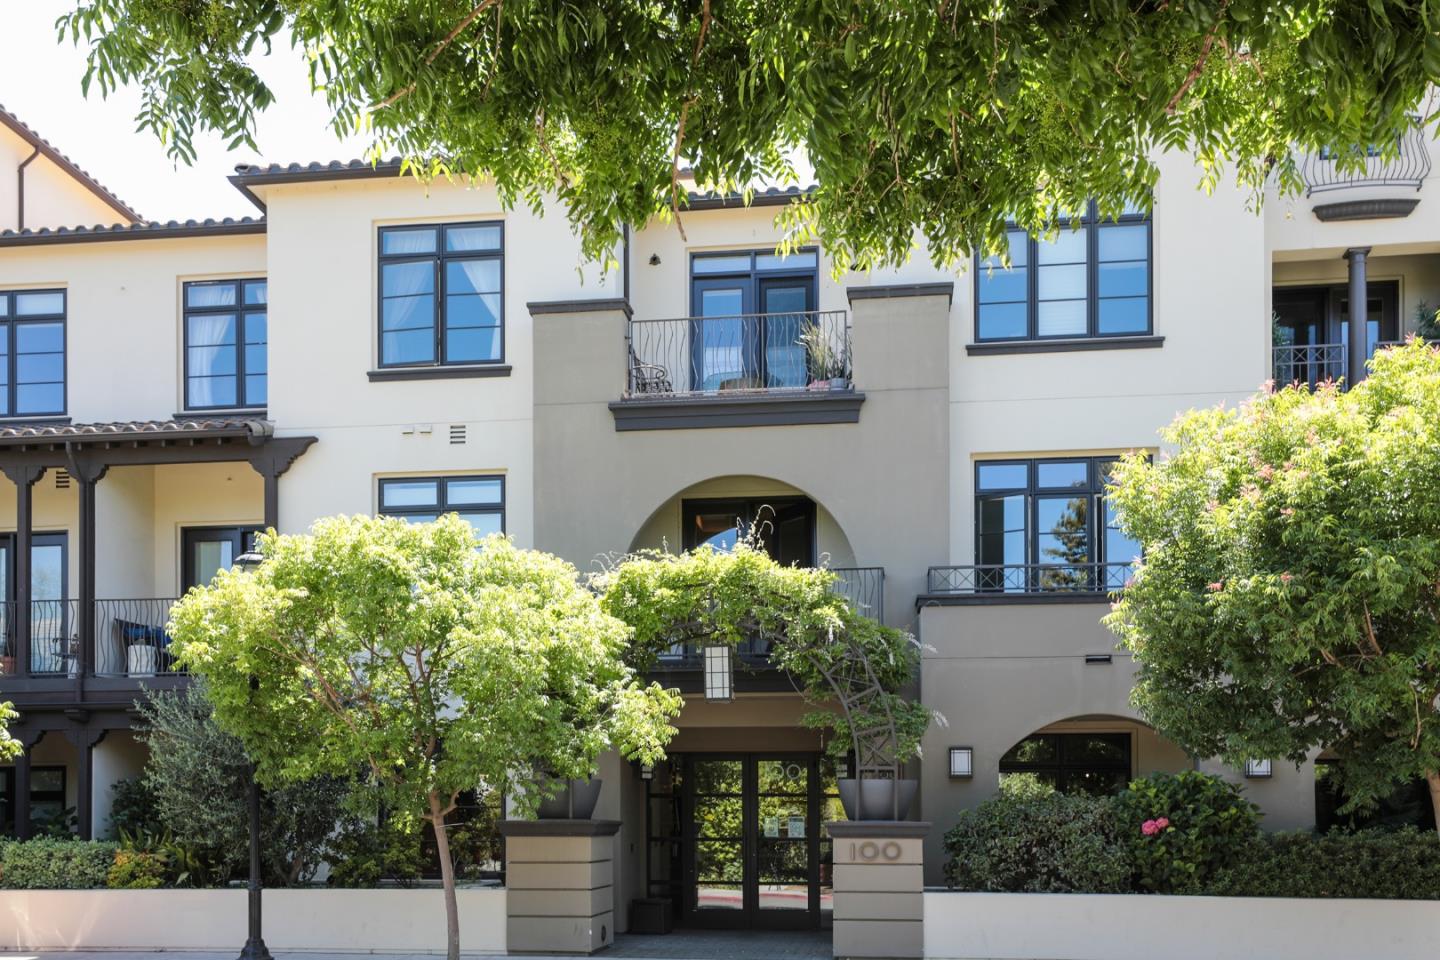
1096	755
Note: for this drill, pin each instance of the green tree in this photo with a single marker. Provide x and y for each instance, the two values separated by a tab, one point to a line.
434	666
9	746
1289	595
941	117
198	775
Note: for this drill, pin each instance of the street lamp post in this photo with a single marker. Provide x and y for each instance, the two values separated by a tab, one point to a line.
254	948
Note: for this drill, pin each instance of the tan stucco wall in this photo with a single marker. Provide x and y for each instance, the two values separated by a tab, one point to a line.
120	756
52	197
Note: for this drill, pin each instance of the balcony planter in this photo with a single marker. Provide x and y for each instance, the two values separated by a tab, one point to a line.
575	801
818	385
875	799
142	660
839	383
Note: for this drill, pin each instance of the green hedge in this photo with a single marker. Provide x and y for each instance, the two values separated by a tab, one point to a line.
47	864
1369	864
1185	833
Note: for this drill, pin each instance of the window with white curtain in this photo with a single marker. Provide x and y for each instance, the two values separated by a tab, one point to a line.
226	335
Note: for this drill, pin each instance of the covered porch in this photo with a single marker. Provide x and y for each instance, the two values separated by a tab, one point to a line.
111	523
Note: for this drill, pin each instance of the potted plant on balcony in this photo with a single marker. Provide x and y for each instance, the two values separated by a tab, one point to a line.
839	372
820	357
849	668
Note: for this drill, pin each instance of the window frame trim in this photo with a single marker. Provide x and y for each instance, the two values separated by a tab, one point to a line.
1094	492
443	506
240	310
1090	225
437	261
9	322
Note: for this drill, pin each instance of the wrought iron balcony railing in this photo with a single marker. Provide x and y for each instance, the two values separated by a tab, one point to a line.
1023	578
862	587
130	639
1408	165
749	353
1313	364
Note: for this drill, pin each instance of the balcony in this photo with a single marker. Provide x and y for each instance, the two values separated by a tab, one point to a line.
1057	582
1407	166
746	370
128	641
862	587
1313	364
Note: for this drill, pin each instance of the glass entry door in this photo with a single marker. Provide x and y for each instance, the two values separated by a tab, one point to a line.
754	856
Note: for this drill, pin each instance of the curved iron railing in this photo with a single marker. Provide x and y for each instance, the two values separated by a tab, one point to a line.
754	352
1407	166
1021	578
130	637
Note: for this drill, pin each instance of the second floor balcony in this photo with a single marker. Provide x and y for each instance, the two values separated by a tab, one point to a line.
735	370
1315	363
128	640
1054	581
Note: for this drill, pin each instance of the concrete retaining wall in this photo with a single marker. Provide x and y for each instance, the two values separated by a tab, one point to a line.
410	921
1038	926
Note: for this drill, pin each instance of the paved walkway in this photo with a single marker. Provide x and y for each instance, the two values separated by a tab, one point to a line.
681	945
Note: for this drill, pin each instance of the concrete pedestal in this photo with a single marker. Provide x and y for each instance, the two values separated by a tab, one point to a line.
879	888
559	896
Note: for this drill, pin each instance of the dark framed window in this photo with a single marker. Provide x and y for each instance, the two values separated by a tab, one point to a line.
785	526
442	294
752	312
47	798
32	353
208	550
1092	763
478	499
226	333
1092	280
1044	525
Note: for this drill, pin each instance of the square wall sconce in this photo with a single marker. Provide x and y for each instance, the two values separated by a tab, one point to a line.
962	763
1258	770
647	771
719	672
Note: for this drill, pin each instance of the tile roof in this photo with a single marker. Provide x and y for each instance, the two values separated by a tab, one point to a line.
133	231
196	427
22	130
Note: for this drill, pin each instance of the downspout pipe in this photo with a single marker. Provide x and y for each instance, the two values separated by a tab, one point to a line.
20	189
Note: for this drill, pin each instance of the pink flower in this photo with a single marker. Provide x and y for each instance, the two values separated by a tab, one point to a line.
1215	587
1150	828
1286	577
1162	823
1287	511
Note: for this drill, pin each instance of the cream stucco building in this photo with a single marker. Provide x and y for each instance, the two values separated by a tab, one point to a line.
940	439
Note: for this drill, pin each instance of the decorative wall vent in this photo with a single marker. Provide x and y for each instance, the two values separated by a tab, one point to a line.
62	479
457	433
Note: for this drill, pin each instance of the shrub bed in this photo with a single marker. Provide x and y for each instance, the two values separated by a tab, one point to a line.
48	864
1187	834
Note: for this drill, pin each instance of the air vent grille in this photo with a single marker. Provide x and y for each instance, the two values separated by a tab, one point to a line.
62	479
457	433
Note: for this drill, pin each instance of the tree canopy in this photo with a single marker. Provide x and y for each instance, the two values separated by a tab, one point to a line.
403	651
1288	599
932	117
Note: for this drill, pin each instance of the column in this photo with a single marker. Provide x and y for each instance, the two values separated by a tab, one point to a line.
22	790
24	476
1359	347
84	739
559	894
879	888
87	473
271	461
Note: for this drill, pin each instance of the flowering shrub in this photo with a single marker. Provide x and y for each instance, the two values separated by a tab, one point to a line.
1183	828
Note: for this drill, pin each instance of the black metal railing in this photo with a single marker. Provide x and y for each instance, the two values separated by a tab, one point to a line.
756	352
1407	165
862	587
130	637
1022	578
1313	364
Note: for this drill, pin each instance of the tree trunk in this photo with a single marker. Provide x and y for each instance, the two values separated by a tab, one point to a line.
1432	777
447	879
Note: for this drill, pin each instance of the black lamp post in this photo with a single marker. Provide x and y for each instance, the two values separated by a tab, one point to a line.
255	948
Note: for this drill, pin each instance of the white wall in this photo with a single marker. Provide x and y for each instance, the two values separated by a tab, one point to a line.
365	921
1026	926
119	756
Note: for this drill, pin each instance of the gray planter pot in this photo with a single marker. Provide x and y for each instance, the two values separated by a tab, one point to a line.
575	801
875	799
839	383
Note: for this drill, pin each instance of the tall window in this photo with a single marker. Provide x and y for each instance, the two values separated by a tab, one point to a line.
32	353
441	294
1092	280
1046	525
754	322
1092	763
226	332
479	500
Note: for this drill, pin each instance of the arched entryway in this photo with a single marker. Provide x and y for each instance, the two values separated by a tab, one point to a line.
1095	755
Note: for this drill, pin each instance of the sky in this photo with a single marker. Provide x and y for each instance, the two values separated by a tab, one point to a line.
40	84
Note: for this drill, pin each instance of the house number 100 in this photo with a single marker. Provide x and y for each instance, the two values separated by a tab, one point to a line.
870	850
